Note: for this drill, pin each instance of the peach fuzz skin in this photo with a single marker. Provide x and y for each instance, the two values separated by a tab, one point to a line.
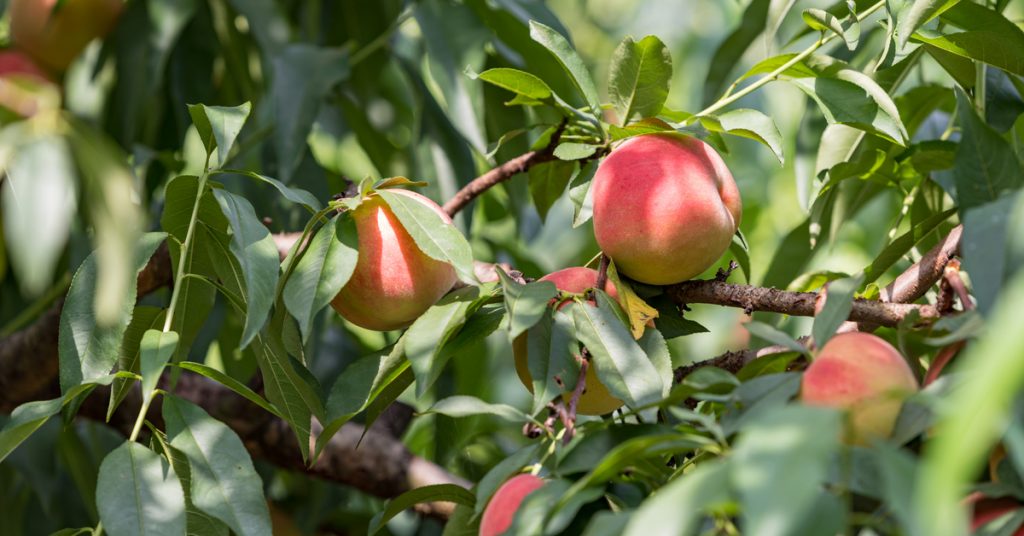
665	207
56	38
595	400
501	510
393	282
865	375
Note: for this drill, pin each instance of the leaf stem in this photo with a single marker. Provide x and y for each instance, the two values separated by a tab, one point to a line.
186	248
728	99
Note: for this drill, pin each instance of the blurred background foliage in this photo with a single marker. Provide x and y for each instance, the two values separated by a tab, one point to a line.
348	89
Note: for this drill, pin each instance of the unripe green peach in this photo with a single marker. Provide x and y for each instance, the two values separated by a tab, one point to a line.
596	400
863	375
665	207
55	34
394	282
501	510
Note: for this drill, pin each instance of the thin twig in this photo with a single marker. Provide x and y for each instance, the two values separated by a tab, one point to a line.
574	400
951	275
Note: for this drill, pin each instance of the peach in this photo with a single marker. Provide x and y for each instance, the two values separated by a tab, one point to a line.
665	207
864	375
501	510
394	282
54	35
596	400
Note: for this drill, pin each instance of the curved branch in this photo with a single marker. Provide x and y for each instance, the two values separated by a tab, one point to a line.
493	177
752	298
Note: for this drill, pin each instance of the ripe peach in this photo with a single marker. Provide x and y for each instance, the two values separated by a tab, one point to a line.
394	282
863	374
665	207
501	510
54	34
596	400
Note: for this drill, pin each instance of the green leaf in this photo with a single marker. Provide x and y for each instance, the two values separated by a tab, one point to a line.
852	98
579	193
985	166
750	124
437	238
179	200
197	522
155	351
639	77
779	464
654	345
88	350
139	493
821	20
525	304
989	37
219	126
984	248
775	336
303	74
551	349
291	193
467	406
224	483
432	493
359	385
518	82
323	270
729	53
559	46
677	507
620	363
972	417
838	303
144	318
257	255
230	383
28	417
574	151
909	19
903	244
547	182
638	128
387	395
288	389
38	204
898	470
115	216
429	333
844	95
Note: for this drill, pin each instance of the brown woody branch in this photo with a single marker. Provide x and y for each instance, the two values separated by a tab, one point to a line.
493	177
751	298
381	465
909	286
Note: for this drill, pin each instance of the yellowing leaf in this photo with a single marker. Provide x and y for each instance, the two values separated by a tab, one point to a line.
637	310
